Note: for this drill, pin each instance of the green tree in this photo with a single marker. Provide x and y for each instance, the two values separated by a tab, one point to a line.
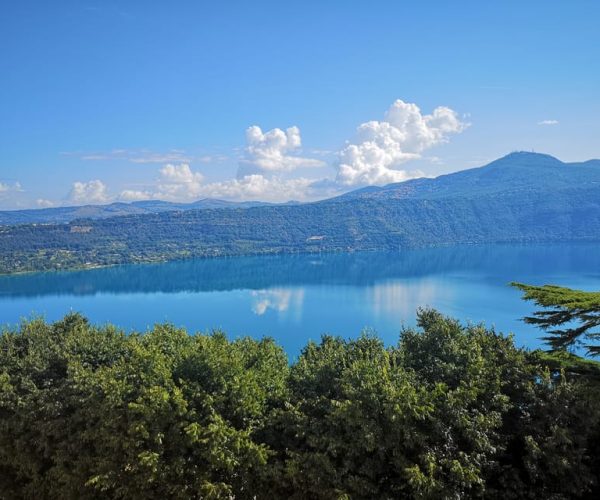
569	316
91	412
452	411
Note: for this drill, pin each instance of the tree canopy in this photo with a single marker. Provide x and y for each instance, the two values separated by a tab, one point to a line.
451	411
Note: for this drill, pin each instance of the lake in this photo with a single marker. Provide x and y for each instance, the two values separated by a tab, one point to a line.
294	298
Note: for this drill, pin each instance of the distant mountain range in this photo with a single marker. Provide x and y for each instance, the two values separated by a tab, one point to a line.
67	214
522	197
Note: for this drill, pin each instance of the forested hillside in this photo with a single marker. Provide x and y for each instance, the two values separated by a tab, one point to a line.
546	202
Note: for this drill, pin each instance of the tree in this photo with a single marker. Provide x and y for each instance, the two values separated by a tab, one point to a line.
576	311
91	412
451	411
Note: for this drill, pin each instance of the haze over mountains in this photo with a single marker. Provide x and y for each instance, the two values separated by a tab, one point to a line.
519	171
522	197
66	214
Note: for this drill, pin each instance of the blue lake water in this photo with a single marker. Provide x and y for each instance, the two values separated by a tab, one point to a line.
294	298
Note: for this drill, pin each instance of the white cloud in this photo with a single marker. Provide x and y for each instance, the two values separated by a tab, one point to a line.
253	187
135	195
381	146
259	187
180	174
270	164
268	156
89	192
435	160
159	158
217	158
7	188
264	170
260	174
43	203
269	152
11	196
134	156
548	122
179	182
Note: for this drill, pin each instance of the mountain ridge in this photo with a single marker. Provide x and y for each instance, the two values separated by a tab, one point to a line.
539	200
454	183
522	169
115	209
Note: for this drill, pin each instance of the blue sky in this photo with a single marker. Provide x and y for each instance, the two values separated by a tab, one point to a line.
105	100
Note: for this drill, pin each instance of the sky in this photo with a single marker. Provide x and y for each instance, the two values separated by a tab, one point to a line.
104	101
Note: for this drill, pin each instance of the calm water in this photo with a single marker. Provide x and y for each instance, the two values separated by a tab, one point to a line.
296	298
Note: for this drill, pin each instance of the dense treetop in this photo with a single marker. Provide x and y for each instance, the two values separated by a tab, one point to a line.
451	411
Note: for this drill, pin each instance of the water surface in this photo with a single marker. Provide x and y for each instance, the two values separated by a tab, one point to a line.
294	298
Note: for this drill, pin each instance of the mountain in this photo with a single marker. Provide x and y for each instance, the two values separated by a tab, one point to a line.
520	172
67	214
522	197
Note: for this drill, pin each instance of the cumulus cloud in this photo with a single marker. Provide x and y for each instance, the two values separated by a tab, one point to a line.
175	183
43	203
253	187
89	192
179	182
380	147
268	167
548	122
268	156
271	152
260	187
264	170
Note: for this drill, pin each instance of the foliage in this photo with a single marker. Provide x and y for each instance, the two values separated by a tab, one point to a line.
89	412
576	311
572	365
451	411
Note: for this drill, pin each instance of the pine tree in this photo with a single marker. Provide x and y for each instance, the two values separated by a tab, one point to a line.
569	316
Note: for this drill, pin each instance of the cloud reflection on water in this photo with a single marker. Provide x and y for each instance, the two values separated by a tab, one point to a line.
280	300
399	299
